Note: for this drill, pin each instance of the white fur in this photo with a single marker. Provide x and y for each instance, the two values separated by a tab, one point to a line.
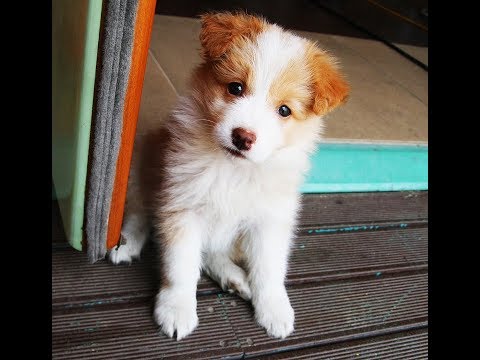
176	310
214	198
274	50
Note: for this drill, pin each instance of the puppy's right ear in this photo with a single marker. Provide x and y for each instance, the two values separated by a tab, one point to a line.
221	30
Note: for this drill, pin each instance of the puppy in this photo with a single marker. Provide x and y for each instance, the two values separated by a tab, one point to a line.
219	181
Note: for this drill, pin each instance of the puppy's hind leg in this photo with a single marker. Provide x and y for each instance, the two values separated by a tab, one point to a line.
135	228
132	238
227	274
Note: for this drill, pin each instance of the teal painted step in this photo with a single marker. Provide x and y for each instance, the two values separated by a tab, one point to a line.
355	167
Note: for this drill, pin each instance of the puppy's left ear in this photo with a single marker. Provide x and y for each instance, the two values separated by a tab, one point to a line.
329	87
220	31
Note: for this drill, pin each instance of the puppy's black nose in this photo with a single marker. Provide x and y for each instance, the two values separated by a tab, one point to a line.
243	139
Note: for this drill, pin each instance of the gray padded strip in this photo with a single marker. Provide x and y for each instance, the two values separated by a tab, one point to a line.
116	52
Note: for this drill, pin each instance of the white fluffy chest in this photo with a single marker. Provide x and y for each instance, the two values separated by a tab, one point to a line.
232	193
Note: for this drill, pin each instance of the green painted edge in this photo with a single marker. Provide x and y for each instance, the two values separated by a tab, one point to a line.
358	167
85	121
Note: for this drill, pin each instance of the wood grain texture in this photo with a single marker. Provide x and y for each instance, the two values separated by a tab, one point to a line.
357	279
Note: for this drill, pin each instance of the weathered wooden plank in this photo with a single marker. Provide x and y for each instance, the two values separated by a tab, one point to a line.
365	208
397	346
314	258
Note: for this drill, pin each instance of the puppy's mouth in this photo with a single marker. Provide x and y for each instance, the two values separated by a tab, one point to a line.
233	152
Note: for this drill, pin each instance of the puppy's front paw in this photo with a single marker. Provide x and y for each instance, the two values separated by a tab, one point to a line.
276	315
175	312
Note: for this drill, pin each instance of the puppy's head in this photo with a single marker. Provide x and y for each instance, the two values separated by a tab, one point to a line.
262	88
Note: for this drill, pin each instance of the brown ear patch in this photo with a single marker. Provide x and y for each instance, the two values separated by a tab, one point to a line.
329	87
220	31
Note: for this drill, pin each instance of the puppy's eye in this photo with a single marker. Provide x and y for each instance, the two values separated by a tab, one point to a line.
235	88
284	110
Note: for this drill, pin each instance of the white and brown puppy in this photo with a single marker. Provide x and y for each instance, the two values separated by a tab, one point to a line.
219	182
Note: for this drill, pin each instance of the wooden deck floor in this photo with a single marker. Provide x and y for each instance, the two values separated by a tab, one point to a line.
357	281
